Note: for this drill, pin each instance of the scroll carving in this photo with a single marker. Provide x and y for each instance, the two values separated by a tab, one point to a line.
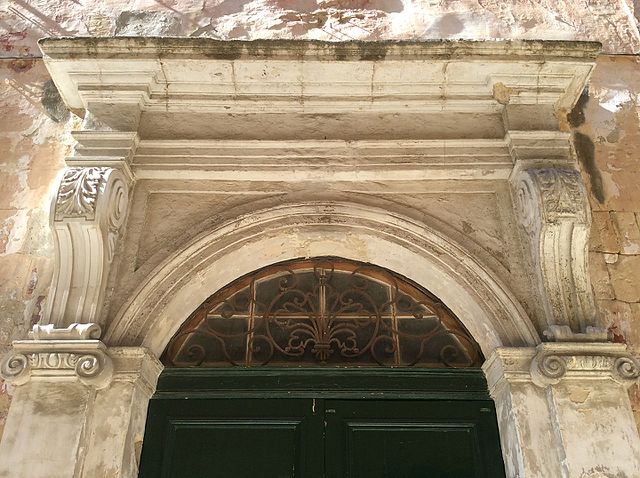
88	214
555	362
552	209
72	353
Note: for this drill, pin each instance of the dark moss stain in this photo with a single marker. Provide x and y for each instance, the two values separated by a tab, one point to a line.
373	51
585	150
341	51
52	103
576	116
229	52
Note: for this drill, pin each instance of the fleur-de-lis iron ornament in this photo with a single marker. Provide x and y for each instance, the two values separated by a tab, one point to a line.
322	312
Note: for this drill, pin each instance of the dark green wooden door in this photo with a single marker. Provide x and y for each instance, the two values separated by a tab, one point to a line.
326	424
411	439
274	438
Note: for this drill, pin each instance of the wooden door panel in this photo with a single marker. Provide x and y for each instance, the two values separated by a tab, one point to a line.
235	448
411	439
277	438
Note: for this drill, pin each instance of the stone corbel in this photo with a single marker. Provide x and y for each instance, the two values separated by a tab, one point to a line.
586	361
70	354
88	213
552	208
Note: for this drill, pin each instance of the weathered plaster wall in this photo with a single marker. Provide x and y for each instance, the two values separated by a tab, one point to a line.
32	148
609	21
34	127
607	136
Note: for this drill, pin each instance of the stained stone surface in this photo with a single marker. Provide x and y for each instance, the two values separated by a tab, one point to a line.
611	22
34	127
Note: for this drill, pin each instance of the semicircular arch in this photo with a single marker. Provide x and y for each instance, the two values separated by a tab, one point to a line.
159	306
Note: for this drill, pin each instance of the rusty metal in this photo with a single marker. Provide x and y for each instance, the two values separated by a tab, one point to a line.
322	312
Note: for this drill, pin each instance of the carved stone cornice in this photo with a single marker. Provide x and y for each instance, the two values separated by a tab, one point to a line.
553	212
88	212
121	80
59	355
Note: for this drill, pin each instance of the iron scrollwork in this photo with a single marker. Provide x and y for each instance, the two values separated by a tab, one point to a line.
323	312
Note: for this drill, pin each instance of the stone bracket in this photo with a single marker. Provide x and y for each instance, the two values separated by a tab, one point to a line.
88	213
553	212
67	354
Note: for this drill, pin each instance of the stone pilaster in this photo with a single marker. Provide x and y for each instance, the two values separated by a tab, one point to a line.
563	410
78	407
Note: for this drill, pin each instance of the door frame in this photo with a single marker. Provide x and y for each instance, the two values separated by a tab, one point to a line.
467	386
320	382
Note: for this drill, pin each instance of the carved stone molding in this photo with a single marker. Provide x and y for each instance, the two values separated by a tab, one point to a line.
552	209
563	361
59	355
550	364
88	213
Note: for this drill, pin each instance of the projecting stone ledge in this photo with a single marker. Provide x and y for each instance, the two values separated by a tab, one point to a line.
208	48
419	90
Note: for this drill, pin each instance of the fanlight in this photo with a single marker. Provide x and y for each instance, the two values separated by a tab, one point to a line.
322	312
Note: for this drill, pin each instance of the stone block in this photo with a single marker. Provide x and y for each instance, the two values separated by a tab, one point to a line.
603	233
628	232
634	396
634	333
600	279
625	278
617	316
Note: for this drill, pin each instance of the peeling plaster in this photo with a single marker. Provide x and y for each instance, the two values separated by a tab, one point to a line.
33	145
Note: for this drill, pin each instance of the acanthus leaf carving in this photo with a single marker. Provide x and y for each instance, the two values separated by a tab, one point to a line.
562	192
549	194
78	192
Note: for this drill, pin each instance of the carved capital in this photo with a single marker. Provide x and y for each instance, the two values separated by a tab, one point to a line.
96	194
570	361
549	195
552	209
88	214
60	355
550	364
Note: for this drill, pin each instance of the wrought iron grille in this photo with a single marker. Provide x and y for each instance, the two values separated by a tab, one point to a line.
322	312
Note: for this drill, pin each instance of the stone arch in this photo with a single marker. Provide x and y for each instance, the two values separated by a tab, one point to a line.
155	311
